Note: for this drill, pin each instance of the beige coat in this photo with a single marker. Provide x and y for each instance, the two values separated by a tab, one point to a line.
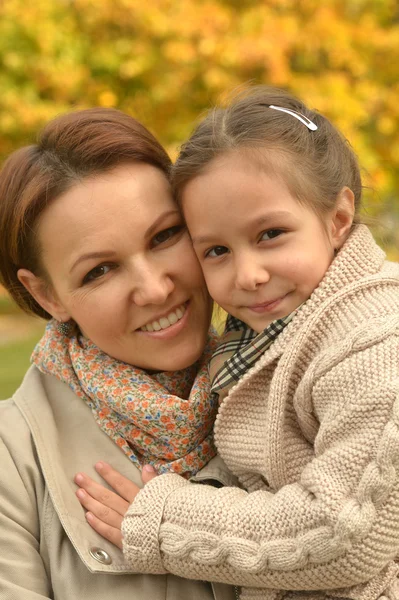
312	432
47	550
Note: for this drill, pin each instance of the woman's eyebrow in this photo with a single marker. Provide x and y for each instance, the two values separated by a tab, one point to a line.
90	256
154	226
110	253
259	221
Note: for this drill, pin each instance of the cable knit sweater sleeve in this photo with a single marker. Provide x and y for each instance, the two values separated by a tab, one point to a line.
337	525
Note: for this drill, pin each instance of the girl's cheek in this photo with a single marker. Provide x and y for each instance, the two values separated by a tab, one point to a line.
217	289
207	276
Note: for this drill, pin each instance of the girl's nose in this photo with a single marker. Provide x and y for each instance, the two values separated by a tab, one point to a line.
250	274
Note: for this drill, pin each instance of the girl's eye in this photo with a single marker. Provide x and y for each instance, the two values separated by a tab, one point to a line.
216	251
166	234
270	234
96	273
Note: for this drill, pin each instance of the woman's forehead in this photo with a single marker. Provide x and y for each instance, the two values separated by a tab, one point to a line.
105	209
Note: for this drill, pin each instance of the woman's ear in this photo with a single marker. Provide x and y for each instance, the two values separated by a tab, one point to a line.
43	294
342	217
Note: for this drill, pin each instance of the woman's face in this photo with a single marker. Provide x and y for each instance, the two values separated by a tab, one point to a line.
121	265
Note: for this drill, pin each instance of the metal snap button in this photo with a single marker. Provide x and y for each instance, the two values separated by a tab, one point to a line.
101	555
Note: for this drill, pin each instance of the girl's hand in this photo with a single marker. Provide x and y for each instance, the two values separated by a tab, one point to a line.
106	509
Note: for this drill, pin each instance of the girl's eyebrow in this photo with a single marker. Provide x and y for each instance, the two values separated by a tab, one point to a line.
259	221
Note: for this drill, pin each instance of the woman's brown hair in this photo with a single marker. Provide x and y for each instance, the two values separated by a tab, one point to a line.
69	149
315	165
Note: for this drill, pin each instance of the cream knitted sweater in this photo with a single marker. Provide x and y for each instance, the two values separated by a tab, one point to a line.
312	432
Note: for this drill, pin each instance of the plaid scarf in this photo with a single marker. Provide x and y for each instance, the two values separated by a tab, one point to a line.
164	419
239	349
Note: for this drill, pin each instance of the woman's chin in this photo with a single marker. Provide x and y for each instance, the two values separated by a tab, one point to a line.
175	363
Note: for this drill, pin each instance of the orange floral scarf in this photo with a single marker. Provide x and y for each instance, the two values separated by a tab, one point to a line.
164	419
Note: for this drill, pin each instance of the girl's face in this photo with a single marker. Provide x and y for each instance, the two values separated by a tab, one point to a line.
261	251
121	264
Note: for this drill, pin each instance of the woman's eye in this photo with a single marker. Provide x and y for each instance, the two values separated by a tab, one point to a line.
216	251
270	234
96	273
166	234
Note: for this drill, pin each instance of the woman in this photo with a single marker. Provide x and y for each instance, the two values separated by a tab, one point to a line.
92	240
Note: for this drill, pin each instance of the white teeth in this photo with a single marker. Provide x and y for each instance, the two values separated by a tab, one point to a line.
173	318
165	322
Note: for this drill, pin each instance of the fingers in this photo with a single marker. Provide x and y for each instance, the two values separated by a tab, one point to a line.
107	515
148	473
123	486
108	532
94	496
106	508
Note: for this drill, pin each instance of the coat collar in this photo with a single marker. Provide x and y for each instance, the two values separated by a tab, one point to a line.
68	440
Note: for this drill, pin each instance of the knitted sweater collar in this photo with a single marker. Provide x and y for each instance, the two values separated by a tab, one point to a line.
359	258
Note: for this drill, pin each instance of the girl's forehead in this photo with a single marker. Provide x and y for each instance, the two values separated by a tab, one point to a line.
242	167
236	188
270	161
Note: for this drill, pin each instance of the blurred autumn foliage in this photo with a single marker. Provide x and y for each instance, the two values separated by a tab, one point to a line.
166	61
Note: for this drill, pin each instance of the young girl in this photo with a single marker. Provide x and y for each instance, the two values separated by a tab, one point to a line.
307	372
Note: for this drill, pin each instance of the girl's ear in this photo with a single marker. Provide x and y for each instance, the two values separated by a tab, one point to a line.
43	294
342	217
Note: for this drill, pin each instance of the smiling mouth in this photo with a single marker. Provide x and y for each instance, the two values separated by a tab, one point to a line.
266	306
164	322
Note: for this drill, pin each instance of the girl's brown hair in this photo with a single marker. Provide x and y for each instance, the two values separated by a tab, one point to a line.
69	148
315	165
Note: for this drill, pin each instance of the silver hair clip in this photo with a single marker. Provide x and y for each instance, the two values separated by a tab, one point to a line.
309	124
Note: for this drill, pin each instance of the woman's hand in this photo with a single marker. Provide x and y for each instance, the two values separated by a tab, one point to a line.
105	508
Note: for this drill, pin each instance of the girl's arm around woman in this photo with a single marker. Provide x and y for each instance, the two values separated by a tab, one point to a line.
335	526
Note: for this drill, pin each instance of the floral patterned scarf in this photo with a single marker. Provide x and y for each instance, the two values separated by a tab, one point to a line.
164	419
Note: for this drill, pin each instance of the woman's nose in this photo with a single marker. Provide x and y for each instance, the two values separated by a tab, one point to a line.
151	287
250	274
